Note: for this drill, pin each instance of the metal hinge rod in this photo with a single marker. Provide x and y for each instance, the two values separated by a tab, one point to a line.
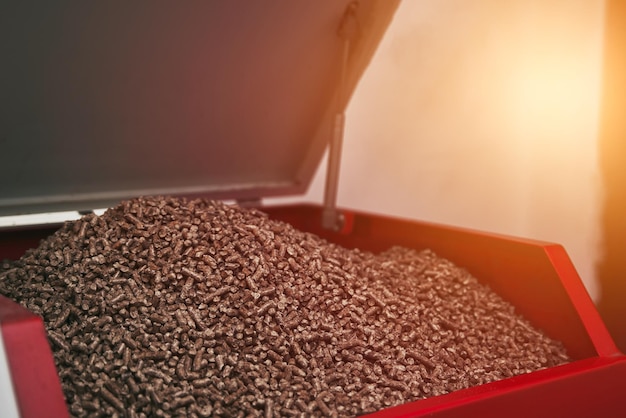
331	217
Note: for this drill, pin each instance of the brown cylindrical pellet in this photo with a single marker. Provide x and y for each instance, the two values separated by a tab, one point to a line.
182	402
111	399
188	272
58	340
421	359
269	408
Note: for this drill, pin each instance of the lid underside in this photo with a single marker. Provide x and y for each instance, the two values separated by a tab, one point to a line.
103	101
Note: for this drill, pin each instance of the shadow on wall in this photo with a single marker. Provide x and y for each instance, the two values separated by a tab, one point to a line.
612	268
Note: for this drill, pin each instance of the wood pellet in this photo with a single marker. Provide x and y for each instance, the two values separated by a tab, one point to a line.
194	308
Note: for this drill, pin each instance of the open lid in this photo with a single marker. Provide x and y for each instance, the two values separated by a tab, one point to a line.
103	101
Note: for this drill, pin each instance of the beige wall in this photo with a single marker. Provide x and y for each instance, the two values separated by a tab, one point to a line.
483	114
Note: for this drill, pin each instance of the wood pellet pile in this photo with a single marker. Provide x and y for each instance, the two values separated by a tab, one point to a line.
169	307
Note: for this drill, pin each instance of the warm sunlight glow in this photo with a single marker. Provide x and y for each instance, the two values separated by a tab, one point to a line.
556	96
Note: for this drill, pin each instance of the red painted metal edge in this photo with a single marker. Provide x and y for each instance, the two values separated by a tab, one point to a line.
33	373
585	388
600	336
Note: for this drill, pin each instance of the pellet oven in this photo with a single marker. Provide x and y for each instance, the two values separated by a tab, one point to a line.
238	101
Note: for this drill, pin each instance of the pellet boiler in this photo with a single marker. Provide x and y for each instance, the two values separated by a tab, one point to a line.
110	102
